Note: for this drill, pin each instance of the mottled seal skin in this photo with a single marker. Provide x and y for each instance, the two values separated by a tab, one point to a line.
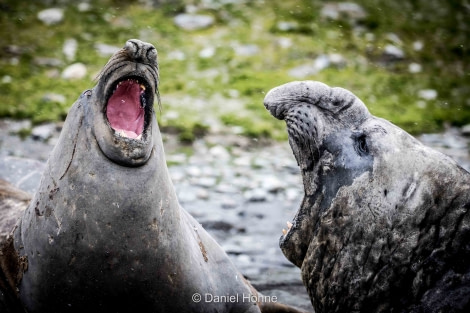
384	223
104	231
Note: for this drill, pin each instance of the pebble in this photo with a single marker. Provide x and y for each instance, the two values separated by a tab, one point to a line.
54	98
176	55
43	132
394	52
418	45
6	79
272	184
415	68
51	16
466	130
427	94
256	195
74	71
84	7
320	63
51	62
207	53
192	22
228	203
105	50
207	182
335	11
246	50
70	49
286	26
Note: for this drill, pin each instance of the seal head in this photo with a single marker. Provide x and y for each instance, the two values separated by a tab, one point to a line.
384	224
123	110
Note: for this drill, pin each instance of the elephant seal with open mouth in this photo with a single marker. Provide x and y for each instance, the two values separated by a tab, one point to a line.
384	225
104	231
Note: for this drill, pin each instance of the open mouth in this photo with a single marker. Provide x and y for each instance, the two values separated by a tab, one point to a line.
128	105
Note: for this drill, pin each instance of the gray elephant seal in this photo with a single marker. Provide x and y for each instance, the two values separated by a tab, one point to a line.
384	225
104	231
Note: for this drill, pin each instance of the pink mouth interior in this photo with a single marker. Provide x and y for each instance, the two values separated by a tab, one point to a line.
124	111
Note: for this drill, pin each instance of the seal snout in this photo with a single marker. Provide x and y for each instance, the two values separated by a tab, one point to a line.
141	52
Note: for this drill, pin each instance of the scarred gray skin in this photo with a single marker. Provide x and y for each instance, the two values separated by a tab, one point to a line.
384	223
105	231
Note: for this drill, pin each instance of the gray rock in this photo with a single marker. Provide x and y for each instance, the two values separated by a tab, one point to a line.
6	79
191	22
466	130
43	61
287	26
74	71
206	182
228	203
176	55
272	184
256	195
22	172
219	152
415	68
246	50
51	16
84	7
336	11
394	52
43	132
207	52
427	94
202	194
70	49
105	50
309	69
54	97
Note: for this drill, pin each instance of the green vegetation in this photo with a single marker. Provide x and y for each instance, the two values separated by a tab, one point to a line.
228	87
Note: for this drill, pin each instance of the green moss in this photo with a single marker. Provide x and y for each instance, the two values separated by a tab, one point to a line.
388	89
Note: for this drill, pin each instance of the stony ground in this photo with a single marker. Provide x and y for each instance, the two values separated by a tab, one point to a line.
240	190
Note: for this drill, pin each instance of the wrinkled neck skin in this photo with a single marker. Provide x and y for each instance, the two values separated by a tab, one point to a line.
389	232
100	234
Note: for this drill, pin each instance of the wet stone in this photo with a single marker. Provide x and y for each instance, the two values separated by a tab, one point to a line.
51	16
256	195
43	132
74	71
191	22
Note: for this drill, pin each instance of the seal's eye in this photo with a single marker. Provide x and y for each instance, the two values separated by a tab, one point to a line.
361	145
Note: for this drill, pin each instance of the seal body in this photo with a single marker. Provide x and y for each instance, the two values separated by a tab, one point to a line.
104	231
384	225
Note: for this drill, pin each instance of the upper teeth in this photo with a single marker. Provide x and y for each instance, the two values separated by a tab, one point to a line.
289	226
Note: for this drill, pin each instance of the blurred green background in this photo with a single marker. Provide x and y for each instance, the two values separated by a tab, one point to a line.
407	60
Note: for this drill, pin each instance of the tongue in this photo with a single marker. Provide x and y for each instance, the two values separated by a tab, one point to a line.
124	111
